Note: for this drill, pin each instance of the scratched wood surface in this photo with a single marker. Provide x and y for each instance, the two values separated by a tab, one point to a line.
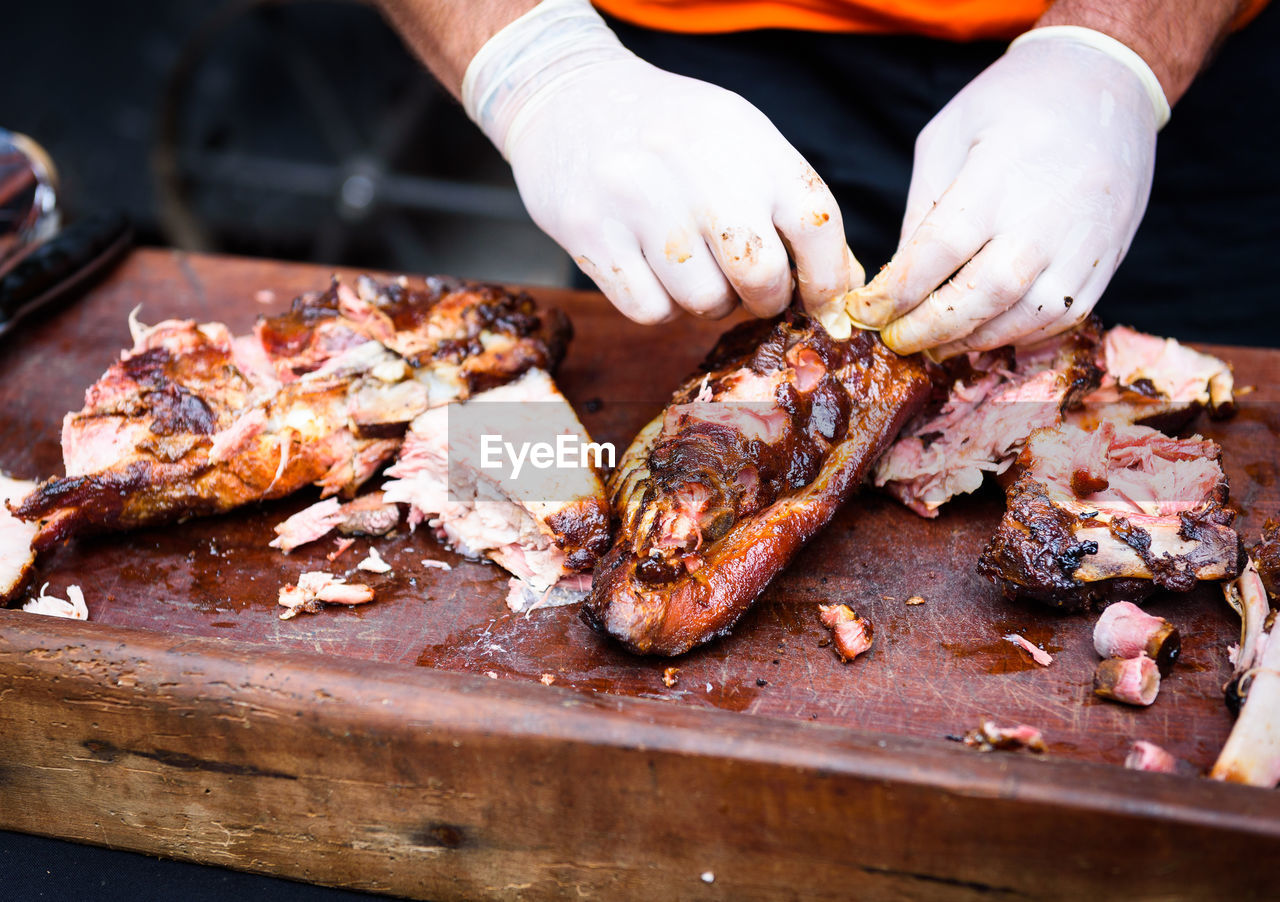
937	668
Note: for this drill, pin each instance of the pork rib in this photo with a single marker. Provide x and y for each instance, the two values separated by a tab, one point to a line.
749	460
1112	515
192	421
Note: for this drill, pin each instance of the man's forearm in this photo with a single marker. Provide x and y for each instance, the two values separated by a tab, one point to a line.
1174	37
446	34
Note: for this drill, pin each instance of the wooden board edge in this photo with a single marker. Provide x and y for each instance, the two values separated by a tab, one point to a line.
444	785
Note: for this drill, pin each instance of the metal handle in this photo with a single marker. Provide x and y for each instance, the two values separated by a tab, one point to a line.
28	195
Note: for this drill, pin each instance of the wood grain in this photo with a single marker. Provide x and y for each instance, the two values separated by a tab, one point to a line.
408	746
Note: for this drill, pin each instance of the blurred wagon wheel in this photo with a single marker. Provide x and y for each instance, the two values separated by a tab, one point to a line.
304	129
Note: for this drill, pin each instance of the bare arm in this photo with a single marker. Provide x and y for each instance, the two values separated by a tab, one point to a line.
446	34
1174	37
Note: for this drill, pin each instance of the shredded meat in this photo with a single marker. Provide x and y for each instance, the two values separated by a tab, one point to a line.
367	515
851	634
559	531
72	607
1038	654
315	589
984	406
989	737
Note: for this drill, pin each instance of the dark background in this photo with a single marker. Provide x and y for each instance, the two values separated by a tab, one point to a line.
306	131
301	130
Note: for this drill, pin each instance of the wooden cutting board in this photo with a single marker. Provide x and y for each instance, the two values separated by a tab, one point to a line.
411	746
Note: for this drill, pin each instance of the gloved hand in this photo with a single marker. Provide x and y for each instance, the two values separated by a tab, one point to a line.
668	192
1026	191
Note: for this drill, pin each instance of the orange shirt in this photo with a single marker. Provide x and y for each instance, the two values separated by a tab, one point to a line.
959	20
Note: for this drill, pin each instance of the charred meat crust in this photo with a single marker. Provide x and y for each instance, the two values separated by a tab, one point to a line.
1082	371
583	531
670	612
441	322
1266	556
1035	553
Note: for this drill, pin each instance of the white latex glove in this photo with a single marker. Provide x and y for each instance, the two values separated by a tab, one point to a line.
668	192
1026	191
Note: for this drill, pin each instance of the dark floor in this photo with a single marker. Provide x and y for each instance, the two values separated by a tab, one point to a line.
35	868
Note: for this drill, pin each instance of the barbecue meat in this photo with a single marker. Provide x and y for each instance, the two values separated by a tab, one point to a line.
368	515
194	421
1112	515
749	460
543	531
984	406
1266	554
17	557
1156	382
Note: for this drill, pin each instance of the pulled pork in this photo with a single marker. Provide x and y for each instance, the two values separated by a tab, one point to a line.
558	529
985	404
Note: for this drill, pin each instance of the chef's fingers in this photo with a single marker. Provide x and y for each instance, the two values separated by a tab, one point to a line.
1063	295
938	158
809	221
751	256
991	283
1098	261
615	263
685	266
950	234
1073	307
1047	308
